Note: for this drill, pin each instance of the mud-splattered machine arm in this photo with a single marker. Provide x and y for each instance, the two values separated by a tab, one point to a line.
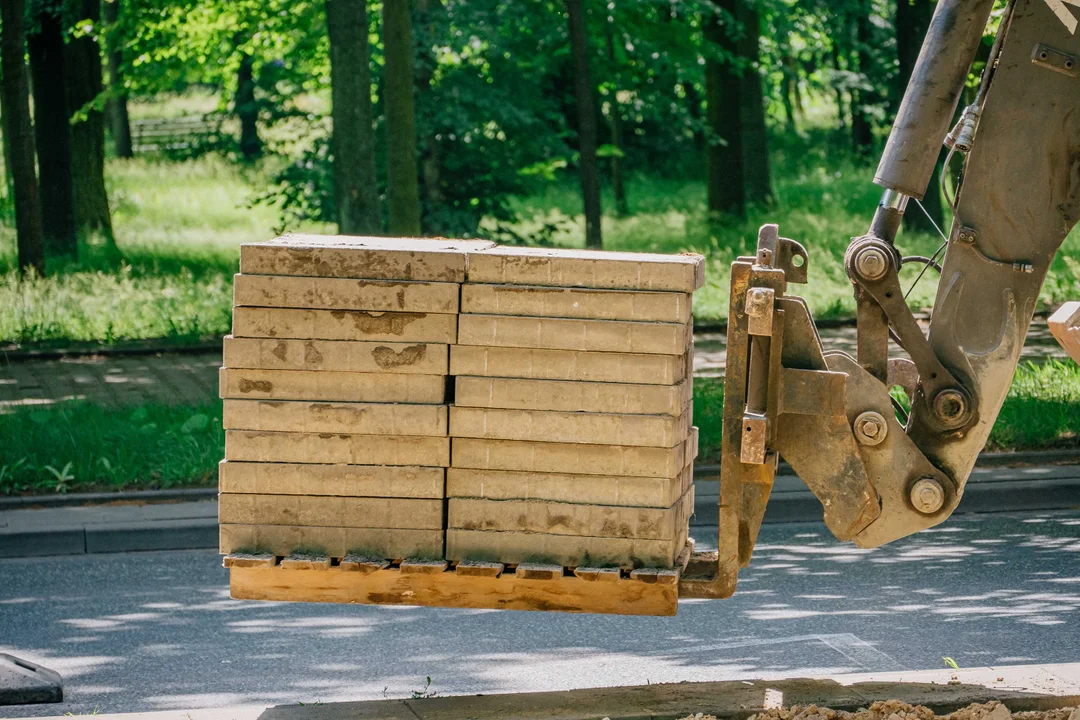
831	416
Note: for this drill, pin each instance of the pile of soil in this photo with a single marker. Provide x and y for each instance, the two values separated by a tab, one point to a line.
897	710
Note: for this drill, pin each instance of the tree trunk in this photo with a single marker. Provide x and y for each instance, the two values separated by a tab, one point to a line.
356	190
117	106
82	65
912	21
430	161
247	110
618	184
755	137
402	186
862	134
52	135
726	191
586	121
19	134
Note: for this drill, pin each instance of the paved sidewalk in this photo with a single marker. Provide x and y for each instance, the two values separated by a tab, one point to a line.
182	378
1018	687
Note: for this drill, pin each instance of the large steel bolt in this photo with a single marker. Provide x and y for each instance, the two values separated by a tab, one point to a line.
871	263
951	407
927	495
870	428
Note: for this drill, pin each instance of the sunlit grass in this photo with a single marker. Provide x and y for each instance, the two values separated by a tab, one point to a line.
79	446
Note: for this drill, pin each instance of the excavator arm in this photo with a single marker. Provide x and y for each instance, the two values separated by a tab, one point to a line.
882	474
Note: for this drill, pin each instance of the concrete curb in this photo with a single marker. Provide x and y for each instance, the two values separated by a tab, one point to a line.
1035	688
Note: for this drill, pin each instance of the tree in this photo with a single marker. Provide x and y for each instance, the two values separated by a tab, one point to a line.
586	122
356	191
18	132
82	79
402	186
117	106
247	109
912	21
724	157
755	137
618	185
52	132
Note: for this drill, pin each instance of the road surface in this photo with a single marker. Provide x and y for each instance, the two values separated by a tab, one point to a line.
156	631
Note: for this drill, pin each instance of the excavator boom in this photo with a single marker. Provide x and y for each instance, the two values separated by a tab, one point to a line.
882	474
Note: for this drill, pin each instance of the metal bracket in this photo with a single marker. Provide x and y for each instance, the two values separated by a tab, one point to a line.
1056	60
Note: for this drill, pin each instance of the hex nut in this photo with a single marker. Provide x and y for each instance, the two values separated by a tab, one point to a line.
871	263
927	495
870	428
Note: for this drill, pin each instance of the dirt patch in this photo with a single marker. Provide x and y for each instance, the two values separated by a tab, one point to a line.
897	710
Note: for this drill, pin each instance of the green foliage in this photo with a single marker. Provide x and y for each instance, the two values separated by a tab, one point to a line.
79	447
1040	410
709	417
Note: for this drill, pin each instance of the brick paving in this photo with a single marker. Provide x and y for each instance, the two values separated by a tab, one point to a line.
179	378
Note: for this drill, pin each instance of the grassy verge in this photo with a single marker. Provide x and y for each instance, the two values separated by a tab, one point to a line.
179	225
82	447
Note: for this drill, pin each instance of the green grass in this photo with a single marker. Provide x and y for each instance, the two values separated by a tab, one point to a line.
82	447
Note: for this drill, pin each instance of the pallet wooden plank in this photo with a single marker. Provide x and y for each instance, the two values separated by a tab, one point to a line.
564	396
587	268
596	489
567	365
569	427
259	560
577	458
477	568
284	540
336	355
506	592
567	550
428	260
575	519
376	481
324	417
291	447
315	511
567	302
345	294
344	325
305	561
322	385
614	336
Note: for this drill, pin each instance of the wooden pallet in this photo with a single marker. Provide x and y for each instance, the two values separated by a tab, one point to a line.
478	585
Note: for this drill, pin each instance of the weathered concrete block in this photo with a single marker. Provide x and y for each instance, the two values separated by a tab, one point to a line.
567	427
345	294
540	301
567	365
344	325
576	458
351	418
567	550
323	511
428	260
341	356
344	480
608	336
557	395
326	448
596	489
335	542
579	519
587	268
245	383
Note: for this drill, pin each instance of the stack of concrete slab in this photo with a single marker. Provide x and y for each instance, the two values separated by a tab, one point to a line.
571	425
334	387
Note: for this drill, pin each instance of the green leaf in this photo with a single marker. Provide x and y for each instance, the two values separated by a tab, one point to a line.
609	150
949	662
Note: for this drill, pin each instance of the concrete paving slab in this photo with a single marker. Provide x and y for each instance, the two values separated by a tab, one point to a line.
25	683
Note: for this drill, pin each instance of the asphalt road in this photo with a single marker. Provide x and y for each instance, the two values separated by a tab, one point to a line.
157	631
